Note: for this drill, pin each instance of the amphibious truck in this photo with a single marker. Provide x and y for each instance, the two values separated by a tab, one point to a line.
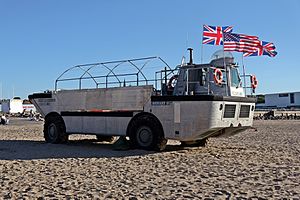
128	98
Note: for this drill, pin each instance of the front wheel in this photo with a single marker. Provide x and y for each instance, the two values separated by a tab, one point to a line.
145	132
54	130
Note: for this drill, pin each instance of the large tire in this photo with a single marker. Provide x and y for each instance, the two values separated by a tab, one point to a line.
196	143
145	132
54	130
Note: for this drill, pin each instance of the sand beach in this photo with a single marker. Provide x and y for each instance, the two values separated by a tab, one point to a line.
262	164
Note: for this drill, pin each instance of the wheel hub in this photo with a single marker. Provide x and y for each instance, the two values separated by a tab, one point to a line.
52	130
145	136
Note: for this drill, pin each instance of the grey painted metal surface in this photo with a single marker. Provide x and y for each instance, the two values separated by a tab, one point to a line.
193	120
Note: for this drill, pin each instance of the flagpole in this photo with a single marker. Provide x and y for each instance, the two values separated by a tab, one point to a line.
186	47
227	85
201	61
244	75
201	52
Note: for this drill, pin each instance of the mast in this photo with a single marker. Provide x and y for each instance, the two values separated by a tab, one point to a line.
226	71
244	75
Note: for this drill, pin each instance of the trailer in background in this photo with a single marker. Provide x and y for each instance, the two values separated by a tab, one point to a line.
5	106
28	107
12	106
16	106
279	100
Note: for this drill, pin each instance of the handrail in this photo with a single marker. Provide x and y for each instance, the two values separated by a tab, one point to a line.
77	66
86	68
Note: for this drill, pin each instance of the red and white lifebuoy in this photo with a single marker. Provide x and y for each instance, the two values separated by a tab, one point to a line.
171	82
218	76
254	81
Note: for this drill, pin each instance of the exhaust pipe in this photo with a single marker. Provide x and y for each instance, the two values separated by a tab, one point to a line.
191	56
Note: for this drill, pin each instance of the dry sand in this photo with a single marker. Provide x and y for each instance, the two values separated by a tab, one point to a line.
261	164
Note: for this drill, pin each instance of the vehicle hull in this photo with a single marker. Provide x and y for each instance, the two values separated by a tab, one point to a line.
109	111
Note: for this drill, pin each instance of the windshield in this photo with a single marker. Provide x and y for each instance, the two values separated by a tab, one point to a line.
235	78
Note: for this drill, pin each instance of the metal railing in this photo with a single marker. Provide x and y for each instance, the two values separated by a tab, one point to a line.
139	77
247	84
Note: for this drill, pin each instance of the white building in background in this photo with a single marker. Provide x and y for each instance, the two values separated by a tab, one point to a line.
281	100
16	105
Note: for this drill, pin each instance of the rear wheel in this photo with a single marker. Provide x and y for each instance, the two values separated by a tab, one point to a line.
145	132
54	130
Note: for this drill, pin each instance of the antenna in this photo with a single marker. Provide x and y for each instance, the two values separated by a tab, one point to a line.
13	91
182	60
186	46
187	40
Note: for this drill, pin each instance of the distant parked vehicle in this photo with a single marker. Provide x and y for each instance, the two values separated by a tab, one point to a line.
12	106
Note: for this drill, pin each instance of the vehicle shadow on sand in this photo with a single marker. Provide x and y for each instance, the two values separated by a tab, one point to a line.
30	150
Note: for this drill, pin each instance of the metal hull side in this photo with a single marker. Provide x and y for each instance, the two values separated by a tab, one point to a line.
45	105
79	102
185	118
122	98
97	125
192	120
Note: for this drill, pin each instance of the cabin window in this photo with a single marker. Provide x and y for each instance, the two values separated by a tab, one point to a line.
196	76
292	98
235	78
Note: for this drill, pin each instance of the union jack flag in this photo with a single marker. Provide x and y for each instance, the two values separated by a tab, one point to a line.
265	48
240	42
214	34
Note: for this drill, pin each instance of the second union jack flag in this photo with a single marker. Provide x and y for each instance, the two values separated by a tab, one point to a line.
265	48
214	34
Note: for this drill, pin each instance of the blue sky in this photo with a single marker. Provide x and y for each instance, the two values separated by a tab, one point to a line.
40	39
